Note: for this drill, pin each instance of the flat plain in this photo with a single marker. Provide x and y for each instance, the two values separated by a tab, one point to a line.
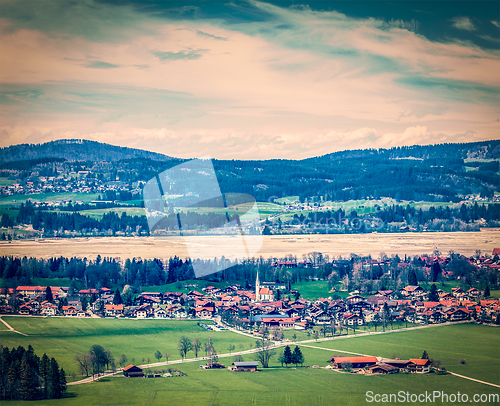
64	338
274	386
465	243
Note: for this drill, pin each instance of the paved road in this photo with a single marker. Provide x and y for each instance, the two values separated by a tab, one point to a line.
276	344
475	380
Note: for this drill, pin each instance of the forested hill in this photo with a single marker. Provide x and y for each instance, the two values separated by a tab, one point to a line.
441	173
444	172
472	150
75	150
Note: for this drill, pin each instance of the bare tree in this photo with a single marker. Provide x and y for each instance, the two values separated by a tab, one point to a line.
184	346
123	360
265	352
168	354
196	346
84	363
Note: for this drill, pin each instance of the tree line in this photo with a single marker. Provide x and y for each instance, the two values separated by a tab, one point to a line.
53	221
25	376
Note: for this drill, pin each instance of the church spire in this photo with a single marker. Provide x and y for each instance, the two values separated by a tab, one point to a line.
257	288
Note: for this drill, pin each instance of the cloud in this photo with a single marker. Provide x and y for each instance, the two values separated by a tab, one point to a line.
205	34
495	23
463	23
176	56
101	65
85	19
291	83
489	38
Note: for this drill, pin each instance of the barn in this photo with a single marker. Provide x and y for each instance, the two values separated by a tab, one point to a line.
245	366
132	371
353	362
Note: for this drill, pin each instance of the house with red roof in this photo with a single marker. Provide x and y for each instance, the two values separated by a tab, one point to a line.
353	362
474	293
48	310
112	310
457	314
419	366
204	311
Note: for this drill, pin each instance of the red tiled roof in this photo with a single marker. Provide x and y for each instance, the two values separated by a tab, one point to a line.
129	367
113	307
420	362
353	360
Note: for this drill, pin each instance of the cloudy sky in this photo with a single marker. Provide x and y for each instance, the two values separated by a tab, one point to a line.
248	79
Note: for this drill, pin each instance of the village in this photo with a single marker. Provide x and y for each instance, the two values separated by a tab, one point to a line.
268	306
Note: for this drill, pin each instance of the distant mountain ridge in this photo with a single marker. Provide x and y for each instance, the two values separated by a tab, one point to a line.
76	150
86	150
477	150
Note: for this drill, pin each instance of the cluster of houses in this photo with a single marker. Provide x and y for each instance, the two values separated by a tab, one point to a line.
259	309
375	365
66	181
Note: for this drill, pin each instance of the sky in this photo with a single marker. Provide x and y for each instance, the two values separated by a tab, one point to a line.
249	79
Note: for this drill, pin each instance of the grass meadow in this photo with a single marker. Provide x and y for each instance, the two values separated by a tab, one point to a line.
63	338
478	345
313	290
300	387
46	197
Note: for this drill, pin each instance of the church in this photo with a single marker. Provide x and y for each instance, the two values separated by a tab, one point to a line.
262	294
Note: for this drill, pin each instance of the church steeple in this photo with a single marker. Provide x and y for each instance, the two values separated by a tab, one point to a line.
257	288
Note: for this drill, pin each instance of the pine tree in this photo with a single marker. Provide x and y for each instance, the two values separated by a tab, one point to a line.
28	385
48	295
13	380
433	294
412	278
54	380
487	291
287	355
425	355
297	357
436	271
44	374
117	300
62	380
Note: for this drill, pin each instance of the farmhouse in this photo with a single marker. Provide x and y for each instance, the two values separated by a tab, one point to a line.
113	310
382	369
419	366
355	362
412	291
132	371
245	366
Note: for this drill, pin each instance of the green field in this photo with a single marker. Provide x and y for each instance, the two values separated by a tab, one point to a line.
478	345
11	212
288	386
43	282
312	290
47	197
196	284
6	181
63	338
99	213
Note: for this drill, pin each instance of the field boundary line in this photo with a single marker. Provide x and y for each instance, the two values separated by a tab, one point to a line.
366	355
329	349
12	328
472	379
